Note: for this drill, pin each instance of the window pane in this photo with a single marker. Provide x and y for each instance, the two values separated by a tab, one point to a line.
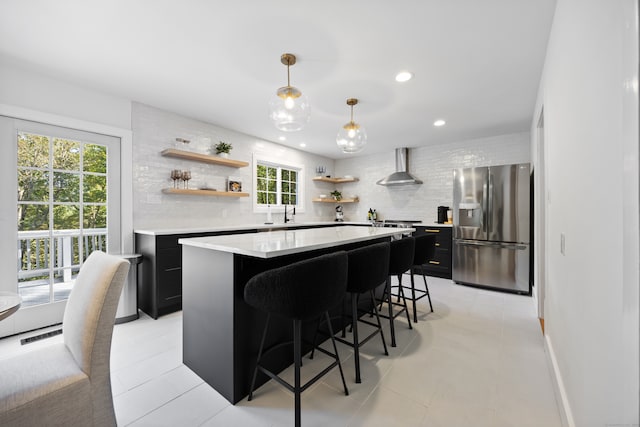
33	217
95	188
33	150
66	154
293	176
261	184
271	185
33	254
66	187
271	173
285	187
293	187
94	216
262	198
271	199
292	199
261	171
66	217
33	185
285	175
66	250
95	158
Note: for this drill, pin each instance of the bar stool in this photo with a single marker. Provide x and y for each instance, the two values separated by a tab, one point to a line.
400	260
300	291
368	269
424	251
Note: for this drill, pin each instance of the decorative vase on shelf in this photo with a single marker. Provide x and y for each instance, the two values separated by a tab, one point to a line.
223	155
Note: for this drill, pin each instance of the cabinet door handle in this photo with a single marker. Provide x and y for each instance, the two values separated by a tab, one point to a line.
173	269
431	230
434	262
437	244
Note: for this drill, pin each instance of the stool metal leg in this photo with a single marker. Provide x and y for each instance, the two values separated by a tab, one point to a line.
356	344
255	371
413	297
387	291
297	356
335	351
375	310
404	300
426	287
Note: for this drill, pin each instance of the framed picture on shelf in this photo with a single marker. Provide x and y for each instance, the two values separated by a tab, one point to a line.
234	184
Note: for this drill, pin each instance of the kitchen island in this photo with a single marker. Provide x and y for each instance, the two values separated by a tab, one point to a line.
221	333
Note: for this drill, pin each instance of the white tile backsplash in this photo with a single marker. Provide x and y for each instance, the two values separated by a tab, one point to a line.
155	130
433	165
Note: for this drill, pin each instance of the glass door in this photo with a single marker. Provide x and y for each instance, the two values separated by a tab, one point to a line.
67	204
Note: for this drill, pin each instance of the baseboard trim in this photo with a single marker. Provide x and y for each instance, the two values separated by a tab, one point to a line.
561	393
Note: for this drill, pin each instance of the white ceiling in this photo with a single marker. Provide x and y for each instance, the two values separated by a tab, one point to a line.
477	63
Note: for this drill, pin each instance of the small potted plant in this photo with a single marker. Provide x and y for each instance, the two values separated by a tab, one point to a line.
223	149
336	195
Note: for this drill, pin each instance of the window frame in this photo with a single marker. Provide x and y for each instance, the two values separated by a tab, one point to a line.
278	164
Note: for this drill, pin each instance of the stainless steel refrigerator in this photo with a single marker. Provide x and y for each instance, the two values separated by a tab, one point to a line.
491	227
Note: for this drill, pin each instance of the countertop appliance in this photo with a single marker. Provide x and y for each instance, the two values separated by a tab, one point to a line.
491	229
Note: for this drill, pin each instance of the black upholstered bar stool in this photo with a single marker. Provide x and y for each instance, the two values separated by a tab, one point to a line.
368	269
423	253
300	291
400	260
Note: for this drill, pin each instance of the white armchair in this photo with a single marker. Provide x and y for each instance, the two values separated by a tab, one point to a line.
69	384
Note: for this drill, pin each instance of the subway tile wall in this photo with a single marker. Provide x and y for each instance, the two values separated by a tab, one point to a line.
434	166
155	130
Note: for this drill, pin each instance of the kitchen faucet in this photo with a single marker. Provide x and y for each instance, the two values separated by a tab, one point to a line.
286	220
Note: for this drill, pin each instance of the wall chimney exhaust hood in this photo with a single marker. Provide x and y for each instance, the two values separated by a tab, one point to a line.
400	176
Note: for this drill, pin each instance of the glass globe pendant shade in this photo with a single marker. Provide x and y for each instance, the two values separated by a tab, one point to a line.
289	109
351	138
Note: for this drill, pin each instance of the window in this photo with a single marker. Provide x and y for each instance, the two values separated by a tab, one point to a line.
277	185
61	210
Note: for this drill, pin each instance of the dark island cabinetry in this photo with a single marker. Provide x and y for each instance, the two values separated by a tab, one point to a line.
440	265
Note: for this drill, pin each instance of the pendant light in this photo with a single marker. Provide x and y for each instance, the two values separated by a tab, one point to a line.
352	136
289	108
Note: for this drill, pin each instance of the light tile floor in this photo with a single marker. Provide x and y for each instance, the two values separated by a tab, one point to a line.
478	360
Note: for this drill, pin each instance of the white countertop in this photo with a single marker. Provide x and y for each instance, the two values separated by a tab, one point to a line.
258	226
263	226
284	242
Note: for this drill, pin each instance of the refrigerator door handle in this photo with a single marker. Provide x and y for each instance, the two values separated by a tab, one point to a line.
485	207
490	204
497	245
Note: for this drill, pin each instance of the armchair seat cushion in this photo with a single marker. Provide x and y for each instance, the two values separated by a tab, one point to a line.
44	387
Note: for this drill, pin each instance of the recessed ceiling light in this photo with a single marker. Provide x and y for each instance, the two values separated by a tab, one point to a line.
439	123
302	144
282	138
404	76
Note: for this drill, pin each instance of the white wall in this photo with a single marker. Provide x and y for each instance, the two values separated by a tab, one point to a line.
433	164
589	93
27	95
155	130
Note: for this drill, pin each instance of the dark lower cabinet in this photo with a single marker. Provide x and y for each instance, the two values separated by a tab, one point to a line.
440	265
160	275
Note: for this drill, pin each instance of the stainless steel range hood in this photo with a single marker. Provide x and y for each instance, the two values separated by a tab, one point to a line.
401	176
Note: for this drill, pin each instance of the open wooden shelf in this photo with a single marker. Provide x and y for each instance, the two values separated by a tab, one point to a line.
336	201
203	192
204	158
334	180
